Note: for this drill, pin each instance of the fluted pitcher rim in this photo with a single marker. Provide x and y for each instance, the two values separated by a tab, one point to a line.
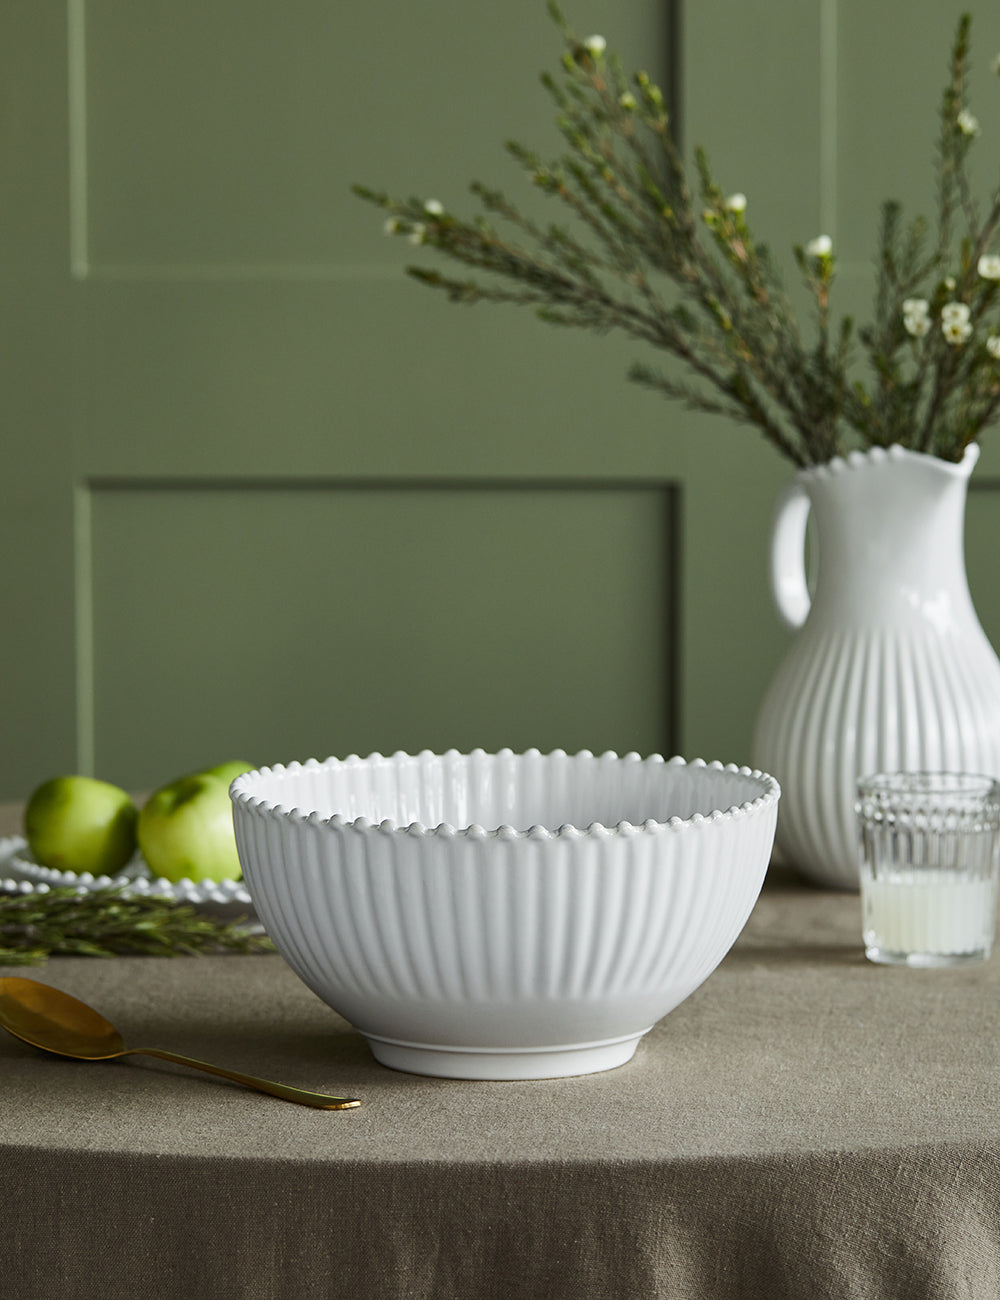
896	454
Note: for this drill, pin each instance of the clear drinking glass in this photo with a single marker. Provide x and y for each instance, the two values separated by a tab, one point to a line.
929	853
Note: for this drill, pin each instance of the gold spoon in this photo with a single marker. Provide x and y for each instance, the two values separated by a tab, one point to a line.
52	1020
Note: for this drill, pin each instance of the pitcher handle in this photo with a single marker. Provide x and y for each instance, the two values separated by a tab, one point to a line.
789	586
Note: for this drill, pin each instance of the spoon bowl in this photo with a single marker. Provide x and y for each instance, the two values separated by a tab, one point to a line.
56	1022
53	1021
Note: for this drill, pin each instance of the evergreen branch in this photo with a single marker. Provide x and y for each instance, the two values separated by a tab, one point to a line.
640	254
102	923
740	409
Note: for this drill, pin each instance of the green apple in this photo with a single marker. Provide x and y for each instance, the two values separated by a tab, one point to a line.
228	772
186	829
75	823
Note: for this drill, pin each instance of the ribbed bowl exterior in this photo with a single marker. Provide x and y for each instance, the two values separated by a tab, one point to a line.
504	938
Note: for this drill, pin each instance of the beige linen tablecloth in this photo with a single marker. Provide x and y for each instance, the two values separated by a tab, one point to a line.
805	1125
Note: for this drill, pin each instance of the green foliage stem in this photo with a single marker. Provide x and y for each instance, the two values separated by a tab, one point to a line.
102	923
641	253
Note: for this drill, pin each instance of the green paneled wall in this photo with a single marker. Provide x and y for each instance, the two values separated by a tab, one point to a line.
265	496
338	617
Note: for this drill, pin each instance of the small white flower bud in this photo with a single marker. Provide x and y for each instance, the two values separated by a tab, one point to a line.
821	246
595	44
955	312
916	317
736	203
956	331
967	123
989	266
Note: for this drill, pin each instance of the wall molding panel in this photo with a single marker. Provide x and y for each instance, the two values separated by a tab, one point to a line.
260	616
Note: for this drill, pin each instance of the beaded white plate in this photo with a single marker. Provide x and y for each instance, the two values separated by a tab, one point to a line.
19	873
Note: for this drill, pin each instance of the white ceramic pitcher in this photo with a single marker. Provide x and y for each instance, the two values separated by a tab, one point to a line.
890	669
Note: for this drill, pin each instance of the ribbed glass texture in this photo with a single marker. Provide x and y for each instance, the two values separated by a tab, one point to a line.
930	848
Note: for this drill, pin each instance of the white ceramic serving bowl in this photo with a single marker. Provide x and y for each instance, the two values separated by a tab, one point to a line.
504	916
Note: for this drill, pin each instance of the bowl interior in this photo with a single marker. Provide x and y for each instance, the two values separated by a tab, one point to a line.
504	789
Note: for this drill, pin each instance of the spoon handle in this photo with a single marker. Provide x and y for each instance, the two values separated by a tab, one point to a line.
318	1099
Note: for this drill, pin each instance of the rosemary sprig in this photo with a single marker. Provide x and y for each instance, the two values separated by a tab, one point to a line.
103	923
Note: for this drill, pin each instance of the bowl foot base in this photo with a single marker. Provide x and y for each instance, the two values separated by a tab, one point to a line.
497	1063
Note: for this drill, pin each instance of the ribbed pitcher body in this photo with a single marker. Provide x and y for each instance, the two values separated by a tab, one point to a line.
890	669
